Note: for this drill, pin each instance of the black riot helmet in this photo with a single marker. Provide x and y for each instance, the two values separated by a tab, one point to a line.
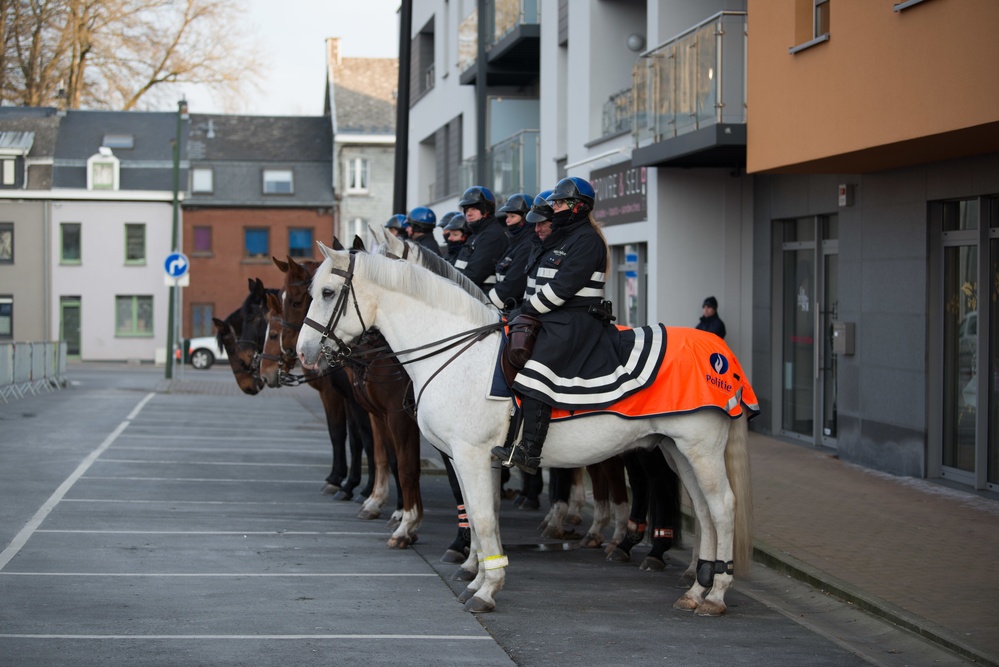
518	203
397	221
457	222
541	210
446	218
479	197
574	189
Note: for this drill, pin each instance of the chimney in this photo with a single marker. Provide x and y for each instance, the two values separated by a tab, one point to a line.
333	51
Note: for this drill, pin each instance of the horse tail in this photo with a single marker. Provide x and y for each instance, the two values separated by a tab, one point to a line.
737	464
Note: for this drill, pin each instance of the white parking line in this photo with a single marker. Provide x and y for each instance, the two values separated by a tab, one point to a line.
484	637
203	479
252	575
22	537
212	463
244	533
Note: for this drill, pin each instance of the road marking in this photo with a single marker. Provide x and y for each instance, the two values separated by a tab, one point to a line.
484	637
324	533
269	575
22	537
242	450
195	502
212	463
203	479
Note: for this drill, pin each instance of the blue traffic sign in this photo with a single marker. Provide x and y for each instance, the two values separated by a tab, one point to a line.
176	265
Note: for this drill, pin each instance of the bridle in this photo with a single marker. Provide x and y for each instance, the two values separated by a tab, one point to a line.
343	352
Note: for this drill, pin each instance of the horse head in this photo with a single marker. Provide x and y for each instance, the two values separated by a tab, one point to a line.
274	359
335	312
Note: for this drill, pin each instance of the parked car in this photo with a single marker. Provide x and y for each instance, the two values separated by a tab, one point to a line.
203	352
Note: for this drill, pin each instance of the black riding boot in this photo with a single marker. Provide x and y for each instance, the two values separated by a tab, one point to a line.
526	454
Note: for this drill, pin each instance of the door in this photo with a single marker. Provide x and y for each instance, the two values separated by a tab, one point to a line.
69	324
627	285
808	280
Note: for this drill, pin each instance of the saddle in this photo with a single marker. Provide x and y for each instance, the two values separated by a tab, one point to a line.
522	334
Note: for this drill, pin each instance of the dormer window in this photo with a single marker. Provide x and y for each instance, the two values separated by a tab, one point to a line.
119	141
102	170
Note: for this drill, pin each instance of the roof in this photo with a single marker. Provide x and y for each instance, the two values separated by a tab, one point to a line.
217	137
82	133
363	91
42	123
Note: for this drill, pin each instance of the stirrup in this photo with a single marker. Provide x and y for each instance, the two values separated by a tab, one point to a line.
504	455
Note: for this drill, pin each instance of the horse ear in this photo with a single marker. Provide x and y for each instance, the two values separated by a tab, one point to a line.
337	245
359	243
324	249
281	265
219	324
250	283
274	303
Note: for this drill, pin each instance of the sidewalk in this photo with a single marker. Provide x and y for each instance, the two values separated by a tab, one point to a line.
909	550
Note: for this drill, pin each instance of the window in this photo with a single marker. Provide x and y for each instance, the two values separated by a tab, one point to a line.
357	175
811	23
357	227
201	180
202	240
102	170
70	233
257	243
422	73
135	243
9	174
300	242
201	320
119	141
278	182
6	242
134	315
6	317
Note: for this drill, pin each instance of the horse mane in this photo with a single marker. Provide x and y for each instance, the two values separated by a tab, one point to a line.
425	285
441	267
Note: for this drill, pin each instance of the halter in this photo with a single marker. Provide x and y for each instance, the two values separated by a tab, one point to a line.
339	308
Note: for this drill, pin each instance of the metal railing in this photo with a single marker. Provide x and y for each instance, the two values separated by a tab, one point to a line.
30	367
695	80
511	166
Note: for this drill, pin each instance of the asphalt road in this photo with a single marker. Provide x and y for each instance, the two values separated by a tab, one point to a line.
143	527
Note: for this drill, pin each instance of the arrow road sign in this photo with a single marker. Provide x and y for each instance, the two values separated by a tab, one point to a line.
176	265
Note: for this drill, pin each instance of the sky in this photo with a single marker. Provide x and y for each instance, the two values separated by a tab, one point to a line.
293	35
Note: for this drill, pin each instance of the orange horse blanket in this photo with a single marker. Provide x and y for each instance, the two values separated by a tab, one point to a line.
698	372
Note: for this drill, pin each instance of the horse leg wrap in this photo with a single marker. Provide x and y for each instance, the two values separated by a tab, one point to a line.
705	572
495	562
462	517
722	567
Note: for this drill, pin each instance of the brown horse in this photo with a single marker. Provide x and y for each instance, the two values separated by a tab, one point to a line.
380	388
242	336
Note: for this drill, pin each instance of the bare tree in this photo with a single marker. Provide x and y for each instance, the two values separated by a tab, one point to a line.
122	54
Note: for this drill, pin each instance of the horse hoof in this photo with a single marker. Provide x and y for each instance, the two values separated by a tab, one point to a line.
709	608
463	575
619	555
653	564
398	543
368	515
392	523
686	603
329	489
479	606
552	532
343	495
465	595
452	556
574	519
686	580
360	498
591	541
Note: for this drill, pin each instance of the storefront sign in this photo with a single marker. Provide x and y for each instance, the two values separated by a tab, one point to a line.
621	194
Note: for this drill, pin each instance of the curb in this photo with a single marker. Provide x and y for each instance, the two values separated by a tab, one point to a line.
787	564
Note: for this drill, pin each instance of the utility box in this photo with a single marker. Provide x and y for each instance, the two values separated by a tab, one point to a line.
842	342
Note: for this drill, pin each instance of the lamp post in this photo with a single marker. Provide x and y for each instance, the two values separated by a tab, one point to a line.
174	241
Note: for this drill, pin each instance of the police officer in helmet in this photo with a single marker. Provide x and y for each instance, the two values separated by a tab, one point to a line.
511	275
455	235
397	226
487	240
421	228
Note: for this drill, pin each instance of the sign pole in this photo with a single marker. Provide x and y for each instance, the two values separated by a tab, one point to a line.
171	321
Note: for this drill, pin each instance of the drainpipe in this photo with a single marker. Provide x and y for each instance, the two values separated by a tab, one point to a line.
481	66
402	108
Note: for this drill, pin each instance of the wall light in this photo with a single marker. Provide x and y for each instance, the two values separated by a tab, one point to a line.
636	42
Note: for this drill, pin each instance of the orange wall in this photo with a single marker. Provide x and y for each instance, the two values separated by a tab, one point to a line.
881	79
222	278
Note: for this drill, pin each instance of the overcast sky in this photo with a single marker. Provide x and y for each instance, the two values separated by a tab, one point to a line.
293	34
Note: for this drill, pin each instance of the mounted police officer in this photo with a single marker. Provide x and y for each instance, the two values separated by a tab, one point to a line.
421	228
487	240
511	270
397	226
575	363
455	235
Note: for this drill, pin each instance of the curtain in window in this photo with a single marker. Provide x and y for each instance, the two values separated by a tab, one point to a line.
300	242
256	243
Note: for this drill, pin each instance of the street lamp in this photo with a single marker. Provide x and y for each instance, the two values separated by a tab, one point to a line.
174	241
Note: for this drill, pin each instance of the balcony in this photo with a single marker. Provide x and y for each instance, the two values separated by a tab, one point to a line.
513	53
689	97
511	166
618	115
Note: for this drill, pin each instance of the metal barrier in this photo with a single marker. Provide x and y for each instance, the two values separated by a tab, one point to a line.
30	367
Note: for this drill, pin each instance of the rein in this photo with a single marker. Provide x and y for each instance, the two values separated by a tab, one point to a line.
343	351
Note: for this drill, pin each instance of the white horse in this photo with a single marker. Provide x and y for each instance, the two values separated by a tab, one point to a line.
420	313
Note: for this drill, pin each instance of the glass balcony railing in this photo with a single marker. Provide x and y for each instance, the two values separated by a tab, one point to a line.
511	166
694	80
502	17
617	113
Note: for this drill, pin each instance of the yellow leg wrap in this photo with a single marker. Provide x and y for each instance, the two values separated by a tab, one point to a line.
495	562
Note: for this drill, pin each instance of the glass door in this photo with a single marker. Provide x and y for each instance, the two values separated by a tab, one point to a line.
627	284
69	324
809	288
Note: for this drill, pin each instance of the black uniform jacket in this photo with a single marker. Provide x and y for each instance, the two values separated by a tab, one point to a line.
484	247
511	270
